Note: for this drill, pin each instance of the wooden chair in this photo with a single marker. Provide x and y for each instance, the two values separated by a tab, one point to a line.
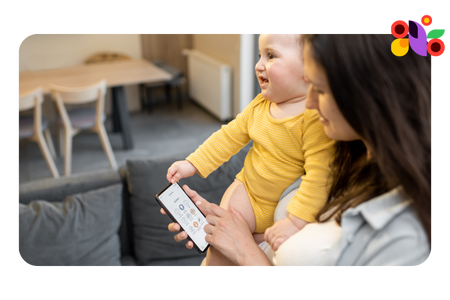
81	118
31	127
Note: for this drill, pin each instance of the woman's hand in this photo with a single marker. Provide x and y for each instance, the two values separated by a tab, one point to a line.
175	227
228	232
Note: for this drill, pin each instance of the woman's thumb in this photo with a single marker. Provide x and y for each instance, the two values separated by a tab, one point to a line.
189	192
193	194
198	200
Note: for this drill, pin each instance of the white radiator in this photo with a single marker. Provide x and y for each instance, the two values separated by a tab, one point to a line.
209	83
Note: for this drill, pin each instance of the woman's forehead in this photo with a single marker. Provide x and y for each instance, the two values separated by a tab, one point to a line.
314	72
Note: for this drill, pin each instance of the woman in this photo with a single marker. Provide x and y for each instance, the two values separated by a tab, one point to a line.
378	107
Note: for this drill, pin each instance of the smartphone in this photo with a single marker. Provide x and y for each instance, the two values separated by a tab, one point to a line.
181	209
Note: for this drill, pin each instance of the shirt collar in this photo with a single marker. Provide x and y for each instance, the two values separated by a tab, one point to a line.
380	210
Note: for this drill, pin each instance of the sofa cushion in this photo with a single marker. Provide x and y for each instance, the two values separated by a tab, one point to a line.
80	230
152	240
56	189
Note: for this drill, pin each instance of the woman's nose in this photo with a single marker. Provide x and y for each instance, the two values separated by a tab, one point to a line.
311	99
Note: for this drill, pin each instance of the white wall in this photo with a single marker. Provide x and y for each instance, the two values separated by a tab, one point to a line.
223	45
247	72
238	50
50	51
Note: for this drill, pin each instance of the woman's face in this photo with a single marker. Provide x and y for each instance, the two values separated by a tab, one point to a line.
321	98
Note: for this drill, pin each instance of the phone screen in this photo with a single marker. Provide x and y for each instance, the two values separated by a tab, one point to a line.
186	213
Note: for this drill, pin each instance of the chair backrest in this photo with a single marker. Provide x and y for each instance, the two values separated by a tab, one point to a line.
30	99
79	95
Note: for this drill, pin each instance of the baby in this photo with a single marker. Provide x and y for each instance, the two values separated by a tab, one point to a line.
288	141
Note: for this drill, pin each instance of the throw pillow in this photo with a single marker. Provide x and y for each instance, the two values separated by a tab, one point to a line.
80	230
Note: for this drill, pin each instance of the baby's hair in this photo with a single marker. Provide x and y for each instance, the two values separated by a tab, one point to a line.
298	42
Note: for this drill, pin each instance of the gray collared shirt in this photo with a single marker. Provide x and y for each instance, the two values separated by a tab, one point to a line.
382	231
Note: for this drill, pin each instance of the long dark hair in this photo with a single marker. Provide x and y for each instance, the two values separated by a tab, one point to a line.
387	101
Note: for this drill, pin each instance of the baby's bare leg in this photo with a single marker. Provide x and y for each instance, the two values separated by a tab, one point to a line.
237	196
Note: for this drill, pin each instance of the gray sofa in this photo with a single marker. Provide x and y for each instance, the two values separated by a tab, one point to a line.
110	218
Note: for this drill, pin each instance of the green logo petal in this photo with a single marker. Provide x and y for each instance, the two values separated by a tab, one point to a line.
435	34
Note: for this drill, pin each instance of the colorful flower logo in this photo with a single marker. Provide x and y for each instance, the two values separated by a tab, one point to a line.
420	34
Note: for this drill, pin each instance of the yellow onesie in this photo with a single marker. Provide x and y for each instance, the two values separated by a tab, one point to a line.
283	150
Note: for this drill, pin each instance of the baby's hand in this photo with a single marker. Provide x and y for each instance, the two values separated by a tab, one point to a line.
180	169
279	232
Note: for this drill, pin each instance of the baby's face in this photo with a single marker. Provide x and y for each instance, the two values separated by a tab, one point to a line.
280	68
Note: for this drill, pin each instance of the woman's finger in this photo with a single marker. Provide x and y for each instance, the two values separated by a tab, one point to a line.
163	211
180	236
197	199
208	228
174	227
212	219
193	194
214	208
189	245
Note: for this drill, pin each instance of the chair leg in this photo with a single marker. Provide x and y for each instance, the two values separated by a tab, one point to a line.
49	140
68	152
106	145
61	140
47	155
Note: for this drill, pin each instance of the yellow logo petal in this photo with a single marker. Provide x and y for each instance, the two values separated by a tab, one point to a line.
400	47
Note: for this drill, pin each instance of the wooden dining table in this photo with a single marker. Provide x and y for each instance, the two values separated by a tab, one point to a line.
117	74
